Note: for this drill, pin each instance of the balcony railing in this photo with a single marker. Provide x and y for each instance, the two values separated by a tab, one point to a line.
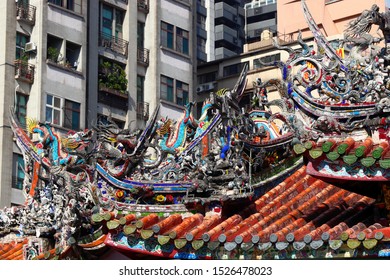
143	110
143	56
26	13
112	97
24	71
143	5
113	43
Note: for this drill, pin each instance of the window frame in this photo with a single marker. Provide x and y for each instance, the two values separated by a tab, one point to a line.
164	82
115	22
19	46
178	88
69	5
62	110
22	117
17	169
71	110
175	38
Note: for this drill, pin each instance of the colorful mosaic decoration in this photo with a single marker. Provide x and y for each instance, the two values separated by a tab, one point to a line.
240	182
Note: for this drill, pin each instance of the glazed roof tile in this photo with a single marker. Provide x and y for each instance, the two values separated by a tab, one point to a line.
348	150
12	250
302	208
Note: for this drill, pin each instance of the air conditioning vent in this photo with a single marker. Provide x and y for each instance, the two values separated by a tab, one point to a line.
30	47
205	87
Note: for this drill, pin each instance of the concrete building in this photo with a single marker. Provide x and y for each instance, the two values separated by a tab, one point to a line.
152	47
260	20
74	63
43	75
331	16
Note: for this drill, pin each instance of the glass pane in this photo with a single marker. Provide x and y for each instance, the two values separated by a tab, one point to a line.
49	114
57	116
170	94
57	102
170	40
75	120
49	99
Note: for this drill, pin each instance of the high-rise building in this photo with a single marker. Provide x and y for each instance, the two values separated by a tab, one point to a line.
331	16
43	75
75	63
260	20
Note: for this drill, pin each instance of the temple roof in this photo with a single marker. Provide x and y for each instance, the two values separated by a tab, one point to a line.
348	151
302	210
12	250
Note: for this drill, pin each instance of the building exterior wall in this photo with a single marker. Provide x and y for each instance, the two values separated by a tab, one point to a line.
331	16
7	89
60	79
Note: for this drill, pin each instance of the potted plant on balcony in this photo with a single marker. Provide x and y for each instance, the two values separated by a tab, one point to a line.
52	54
113	77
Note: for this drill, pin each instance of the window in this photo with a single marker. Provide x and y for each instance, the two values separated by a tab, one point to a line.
201	44
167	91
140	34
63	52
54	46
72	55
167	35
207	78
181	93
21	108
72	115
233	69
265	59
201	20
112	22
140	88
166	88
21	41
53	110
72	5
107	20
181	40
18	171
174	38
56	106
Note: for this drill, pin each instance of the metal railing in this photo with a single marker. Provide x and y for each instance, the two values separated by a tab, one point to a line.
25	12
24	71
143	5
113	43
143	56
143	110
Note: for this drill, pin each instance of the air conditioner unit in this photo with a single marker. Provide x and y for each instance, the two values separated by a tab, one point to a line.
200	89
209	86
30	47
204	87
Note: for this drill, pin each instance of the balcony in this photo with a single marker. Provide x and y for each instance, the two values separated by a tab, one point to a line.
26	13
113	97
113	43
24	71
143	56
143	111
143	6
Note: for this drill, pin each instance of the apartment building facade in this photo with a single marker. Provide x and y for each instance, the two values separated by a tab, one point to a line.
75	63
43	76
